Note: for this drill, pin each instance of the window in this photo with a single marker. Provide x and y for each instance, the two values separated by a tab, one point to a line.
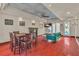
50	29
67	28
56	27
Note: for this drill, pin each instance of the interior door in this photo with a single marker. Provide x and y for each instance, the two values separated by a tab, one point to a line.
34	32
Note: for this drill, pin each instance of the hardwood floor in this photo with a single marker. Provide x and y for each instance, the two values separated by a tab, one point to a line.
66	46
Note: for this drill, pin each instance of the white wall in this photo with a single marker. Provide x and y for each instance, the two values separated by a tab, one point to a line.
72	27
12	13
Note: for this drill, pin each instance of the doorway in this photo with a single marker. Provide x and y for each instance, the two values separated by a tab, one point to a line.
67	28
34	32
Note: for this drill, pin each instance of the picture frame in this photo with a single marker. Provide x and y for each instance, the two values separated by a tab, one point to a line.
8	22
21	23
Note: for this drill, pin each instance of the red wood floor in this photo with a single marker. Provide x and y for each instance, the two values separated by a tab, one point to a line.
66	46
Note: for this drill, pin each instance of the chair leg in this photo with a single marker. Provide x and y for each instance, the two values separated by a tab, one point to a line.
30	45
26	48
11	47
19	51
14	51
20	48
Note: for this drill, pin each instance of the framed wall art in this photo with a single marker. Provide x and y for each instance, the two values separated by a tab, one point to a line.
8	22
21	23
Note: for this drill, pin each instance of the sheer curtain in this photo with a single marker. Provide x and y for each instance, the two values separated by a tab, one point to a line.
56	27
53	28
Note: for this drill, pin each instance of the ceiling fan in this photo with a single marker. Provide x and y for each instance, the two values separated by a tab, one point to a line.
44	15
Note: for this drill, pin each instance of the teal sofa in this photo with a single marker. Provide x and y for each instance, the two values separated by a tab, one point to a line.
53	37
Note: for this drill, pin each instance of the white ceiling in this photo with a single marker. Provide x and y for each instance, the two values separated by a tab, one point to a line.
55	11
37	9
61	9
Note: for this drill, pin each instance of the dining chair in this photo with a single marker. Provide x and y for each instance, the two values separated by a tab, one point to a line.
14	43
16	32
29	41
17	44
26	43
11	41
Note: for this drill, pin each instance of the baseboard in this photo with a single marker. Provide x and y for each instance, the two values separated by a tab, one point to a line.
77	37
68	36
4	43
72	36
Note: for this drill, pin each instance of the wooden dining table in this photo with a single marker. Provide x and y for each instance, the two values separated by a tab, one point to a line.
20	36
23	39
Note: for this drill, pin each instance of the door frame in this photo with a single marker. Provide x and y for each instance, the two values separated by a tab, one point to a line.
34	28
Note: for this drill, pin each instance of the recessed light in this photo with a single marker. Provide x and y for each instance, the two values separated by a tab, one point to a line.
20	19
33	21
68	12
50	5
